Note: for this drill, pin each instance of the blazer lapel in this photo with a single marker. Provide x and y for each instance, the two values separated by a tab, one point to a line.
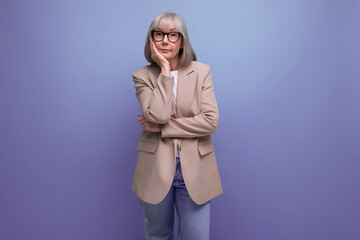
184	95
185	91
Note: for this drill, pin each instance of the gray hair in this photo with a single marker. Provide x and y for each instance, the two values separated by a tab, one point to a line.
186	53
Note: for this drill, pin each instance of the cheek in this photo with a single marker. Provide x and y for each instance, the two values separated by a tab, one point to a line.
177	48
157	45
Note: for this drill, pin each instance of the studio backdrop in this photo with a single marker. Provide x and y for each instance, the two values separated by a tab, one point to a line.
286	79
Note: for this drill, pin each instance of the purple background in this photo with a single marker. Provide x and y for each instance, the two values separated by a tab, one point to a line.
286	77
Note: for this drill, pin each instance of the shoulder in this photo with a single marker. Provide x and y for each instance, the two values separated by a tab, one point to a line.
201	68
141	72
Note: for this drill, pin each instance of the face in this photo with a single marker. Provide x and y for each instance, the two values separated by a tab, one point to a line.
170	50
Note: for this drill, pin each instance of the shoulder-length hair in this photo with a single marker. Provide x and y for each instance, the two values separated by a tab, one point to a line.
186	53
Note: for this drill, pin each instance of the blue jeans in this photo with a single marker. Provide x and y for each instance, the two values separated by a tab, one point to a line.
194	219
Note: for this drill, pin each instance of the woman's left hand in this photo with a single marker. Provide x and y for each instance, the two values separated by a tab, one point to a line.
149	126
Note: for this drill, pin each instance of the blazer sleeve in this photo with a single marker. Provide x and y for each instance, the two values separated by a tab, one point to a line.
202	124
155	103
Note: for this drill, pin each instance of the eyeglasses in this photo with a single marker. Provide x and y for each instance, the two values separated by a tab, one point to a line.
158	36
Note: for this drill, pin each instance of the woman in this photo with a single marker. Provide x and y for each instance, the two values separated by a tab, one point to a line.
176	162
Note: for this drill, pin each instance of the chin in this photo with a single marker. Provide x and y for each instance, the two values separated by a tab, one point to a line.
167	57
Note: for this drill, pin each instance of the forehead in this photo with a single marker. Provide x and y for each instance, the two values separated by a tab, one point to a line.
166	25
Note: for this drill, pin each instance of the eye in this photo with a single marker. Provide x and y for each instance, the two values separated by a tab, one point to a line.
158	34
174	34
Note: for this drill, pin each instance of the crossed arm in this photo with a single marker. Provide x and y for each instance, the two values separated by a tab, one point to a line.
156	105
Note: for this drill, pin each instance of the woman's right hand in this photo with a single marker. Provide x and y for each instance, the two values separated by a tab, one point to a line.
157	57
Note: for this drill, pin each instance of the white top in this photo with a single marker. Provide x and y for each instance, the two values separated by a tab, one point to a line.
175	75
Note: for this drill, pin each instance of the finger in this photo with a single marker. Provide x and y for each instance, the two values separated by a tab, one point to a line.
154	124
142	122
155	128
152	45
152	42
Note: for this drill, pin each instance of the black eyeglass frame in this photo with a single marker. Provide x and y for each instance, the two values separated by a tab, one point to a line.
164	33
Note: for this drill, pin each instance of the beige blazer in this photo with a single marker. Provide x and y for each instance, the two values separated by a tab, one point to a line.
186	126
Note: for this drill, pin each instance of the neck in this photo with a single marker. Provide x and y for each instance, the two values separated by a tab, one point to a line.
174	64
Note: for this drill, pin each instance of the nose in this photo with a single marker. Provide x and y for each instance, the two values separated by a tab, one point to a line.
166	39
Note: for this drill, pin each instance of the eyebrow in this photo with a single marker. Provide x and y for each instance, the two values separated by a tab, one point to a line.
170	29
